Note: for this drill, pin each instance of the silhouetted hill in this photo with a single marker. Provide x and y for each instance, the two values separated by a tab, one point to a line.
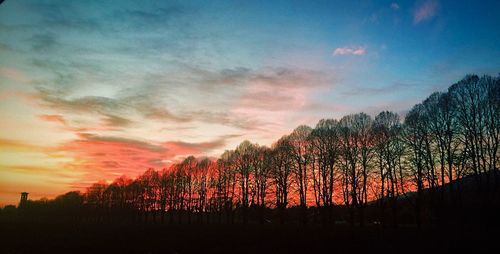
474	201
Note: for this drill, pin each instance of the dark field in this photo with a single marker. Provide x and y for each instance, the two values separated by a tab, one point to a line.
87	238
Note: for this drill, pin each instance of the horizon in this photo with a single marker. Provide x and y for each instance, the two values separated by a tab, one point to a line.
93	91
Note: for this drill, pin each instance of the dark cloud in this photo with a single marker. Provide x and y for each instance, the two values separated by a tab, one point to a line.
225	118
112	110
43	42
151	18
106	106
117	121
274	77
63	15
168	146
199	147
155	112
55	99
131	142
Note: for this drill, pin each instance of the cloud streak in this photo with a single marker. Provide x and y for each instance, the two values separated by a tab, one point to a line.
53	118
357	51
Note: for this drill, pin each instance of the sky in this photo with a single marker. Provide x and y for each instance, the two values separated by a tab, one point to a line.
92	90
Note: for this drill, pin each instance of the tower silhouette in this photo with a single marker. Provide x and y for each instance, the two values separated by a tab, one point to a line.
24	198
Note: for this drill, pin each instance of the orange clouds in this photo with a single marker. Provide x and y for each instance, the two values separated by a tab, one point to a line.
53	118
104	157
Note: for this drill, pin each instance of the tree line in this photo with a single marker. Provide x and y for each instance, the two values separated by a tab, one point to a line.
357	169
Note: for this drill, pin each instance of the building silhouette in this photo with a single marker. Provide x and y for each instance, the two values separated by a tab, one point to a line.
24	199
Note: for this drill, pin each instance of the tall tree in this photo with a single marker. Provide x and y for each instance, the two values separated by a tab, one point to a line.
357	152
414	132
386	130
300	146
281	171
325	140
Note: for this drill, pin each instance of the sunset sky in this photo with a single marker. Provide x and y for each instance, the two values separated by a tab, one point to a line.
91	90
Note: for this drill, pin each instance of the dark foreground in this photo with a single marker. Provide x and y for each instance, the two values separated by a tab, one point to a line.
85	238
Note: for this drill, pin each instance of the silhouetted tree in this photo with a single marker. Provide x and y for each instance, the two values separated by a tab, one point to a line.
281	171
356	140
326	150
300	146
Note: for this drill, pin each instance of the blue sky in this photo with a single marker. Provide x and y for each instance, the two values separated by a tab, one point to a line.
165	79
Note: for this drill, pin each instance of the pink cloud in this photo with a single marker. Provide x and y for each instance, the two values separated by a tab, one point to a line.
425	11
358	51
273	97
